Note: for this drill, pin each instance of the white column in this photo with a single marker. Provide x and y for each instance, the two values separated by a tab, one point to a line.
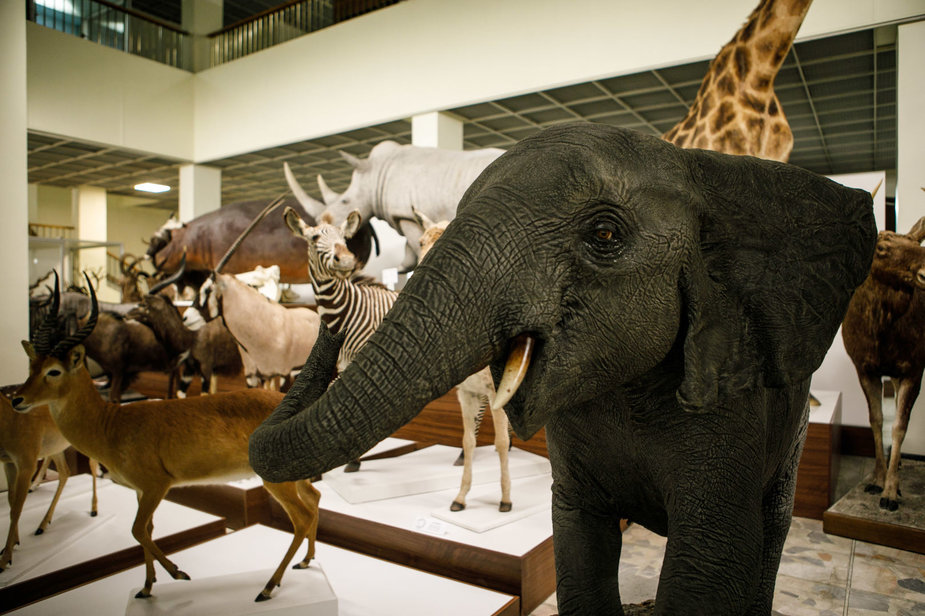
89	207
437	129
200	17
200	190
910	168
14	251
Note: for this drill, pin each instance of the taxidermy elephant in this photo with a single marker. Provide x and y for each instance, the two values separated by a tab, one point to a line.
678	301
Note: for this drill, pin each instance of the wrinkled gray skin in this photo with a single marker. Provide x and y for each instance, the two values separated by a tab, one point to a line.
673	359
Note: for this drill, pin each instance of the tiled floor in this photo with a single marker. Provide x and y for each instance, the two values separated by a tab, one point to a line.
819	575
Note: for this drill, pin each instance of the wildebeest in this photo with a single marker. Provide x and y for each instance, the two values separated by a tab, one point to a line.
206	238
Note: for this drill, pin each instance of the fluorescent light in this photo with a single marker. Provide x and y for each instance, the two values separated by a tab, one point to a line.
153	188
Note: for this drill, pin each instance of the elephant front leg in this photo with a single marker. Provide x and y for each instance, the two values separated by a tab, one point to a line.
587	550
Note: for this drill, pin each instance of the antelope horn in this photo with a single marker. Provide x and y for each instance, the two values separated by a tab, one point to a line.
876	189
312	206
518	361
62	348
172	278
327	194
44	334
272	205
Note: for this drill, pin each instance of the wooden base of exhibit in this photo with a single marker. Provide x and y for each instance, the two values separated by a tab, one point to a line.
857	515
77	548
817	474
243	560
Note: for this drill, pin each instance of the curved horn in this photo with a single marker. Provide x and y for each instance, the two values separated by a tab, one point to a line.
272	205
357	163
62	348
327	194
312	206
166	282
44	334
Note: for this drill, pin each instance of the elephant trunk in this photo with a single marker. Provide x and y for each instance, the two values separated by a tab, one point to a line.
427	344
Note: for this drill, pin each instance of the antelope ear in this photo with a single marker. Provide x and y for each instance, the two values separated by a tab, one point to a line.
781	251
30	350
75	357
351	224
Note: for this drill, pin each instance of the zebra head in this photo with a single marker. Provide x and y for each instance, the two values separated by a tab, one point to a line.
328	255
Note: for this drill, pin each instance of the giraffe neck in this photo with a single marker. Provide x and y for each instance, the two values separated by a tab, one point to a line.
736	110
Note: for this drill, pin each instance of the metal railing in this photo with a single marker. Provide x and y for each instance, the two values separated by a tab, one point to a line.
51	231
115	26
282	23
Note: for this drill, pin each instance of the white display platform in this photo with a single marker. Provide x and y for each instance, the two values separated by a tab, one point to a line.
534	495
74	537
429	470
364	586
414	513
829	402
304	593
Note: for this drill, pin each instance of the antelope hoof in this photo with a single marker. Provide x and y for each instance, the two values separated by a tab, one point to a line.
264	595
180	575
39	531
505	507
873	488
457	506
302	565
461	460
92	514
143	594
889	504
352	467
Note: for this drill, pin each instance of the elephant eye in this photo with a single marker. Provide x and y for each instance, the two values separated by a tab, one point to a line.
604	234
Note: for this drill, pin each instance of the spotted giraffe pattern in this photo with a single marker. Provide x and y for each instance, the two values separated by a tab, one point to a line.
736	110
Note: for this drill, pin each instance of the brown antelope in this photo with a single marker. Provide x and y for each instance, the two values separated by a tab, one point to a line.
474	394
155	445
23	440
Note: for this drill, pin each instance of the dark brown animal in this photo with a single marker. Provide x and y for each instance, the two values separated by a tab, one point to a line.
209	351
883	334
206	238
130	281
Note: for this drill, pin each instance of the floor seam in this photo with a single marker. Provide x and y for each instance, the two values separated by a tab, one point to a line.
854	544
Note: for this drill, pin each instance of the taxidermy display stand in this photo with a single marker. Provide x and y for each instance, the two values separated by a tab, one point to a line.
857	515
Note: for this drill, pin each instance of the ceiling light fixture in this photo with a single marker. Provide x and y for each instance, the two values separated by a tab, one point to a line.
152	188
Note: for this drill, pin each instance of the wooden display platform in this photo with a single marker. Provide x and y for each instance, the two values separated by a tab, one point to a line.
857	515
77	548
363	585
817	474
514	558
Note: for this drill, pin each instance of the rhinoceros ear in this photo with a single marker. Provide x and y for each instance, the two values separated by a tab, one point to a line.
360	164
781	251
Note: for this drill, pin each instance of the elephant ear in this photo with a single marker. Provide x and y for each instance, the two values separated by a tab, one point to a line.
781	252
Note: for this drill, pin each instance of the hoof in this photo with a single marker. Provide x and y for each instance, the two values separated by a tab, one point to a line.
873	488
92	514
457	506
505	507
301	565
39	531
889	504
142	594
264	595
180	575
461	460
352	467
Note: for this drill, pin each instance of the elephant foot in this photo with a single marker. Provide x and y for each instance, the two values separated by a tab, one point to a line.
461	460
889	504
873	488
505	507
457	506
352	466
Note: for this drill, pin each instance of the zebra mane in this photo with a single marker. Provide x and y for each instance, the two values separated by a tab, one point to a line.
361	280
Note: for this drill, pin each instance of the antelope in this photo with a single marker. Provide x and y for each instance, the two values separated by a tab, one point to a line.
23	440
474	394
154	445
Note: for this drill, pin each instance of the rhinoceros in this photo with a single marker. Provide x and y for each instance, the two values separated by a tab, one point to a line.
393	179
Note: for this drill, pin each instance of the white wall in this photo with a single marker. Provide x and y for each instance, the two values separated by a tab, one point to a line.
87	91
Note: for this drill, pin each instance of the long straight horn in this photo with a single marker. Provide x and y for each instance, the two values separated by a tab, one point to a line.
62	348
44	335
272	205
176	276
312	206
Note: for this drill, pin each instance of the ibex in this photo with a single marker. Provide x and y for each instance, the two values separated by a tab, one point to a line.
23	440
155	445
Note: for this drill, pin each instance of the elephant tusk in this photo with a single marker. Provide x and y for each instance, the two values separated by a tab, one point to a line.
518	360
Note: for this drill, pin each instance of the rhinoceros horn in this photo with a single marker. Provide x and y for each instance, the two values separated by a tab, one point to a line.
312	206
327	194
360	164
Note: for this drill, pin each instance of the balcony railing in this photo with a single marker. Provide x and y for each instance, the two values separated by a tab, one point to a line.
115	26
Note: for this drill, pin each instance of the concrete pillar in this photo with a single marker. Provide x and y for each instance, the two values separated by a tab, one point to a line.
200	190
437	129
199	18
89	210
14	251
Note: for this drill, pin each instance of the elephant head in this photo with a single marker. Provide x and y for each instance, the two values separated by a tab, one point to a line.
646	277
